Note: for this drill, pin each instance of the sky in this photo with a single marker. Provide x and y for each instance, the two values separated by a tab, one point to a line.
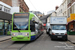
43	6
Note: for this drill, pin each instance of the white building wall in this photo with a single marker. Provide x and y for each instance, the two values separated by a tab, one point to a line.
48	19
59	11
72	7
14	10
53	14
6	7
62	10
15	3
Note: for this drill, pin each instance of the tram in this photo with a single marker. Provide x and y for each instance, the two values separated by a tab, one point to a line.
25	27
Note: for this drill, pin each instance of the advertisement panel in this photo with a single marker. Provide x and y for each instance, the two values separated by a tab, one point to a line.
58	20
72	16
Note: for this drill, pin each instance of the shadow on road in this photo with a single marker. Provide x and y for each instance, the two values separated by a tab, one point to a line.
21	42
61	40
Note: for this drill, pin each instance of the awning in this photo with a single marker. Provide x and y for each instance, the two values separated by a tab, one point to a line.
5	16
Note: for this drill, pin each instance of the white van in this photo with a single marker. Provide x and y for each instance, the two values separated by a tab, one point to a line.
58	28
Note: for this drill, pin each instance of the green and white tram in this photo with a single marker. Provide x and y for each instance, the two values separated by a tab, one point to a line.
25	27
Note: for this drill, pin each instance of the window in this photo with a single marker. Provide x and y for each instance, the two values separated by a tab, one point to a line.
69	13
1	27
69	1
61	10
74	8
6	10
65	13
32	26
0	7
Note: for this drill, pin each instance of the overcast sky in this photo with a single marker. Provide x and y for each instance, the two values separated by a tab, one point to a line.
42	5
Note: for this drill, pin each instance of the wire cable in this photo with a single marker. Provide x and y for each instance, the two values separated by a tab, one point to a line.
33	5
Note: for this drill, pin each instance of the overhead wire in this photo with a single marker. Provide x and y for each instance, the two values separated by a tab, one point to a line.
33	5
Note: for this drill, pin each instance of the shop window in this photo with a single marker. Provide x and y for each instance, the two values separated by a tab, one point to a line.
6	23
1	27
71	26
1	24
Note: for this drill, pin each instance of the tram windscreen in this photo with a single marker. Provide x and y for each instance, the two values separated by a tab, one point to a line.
20	21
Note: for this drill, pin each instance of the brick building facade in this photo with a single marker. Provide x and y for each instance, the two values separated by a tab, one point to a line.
17	3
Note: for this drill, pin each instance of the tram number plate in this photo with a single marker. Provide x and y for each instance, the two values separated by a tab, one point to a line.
19	33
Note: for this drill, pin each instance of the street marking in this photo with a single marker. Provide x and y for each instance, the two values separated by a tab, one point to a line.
5	41
66	46
63	43
70	43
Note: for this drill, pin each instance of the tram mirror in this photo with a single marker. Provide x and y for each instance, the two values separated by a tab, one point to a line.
33	19
49	29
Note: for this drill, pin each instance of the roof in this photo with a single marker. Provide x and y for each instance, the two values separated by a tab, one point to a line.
44	17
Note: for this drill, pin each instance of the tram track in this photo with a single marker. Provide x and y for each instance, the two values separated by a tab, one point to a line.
5	40
16	45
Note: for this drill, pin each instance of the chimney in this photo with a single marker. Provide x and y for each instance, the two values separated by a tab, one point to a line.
56	7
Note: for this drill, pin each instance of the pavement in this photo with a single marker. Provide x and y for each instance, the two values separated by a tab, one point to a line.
71	38
3	38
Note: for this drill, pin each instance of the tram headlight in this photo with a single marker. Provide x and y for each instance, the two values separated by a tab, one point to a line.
27	34
13	34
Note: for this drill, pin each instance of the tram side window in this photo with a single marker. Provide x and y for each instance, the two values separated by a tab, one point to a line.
32	26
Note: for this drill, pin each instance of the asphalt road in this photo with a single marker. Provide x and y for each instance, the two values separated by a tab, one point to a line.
42	43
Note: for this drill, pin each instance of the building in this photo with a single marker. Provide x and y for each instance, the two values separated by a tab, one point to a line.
59	10
70	7
16	5
5	18
62	10
50	15
37	13
54	14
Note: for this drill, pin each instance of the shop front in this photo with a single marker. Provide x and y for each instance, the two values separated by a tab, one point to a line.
5	20
71	27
